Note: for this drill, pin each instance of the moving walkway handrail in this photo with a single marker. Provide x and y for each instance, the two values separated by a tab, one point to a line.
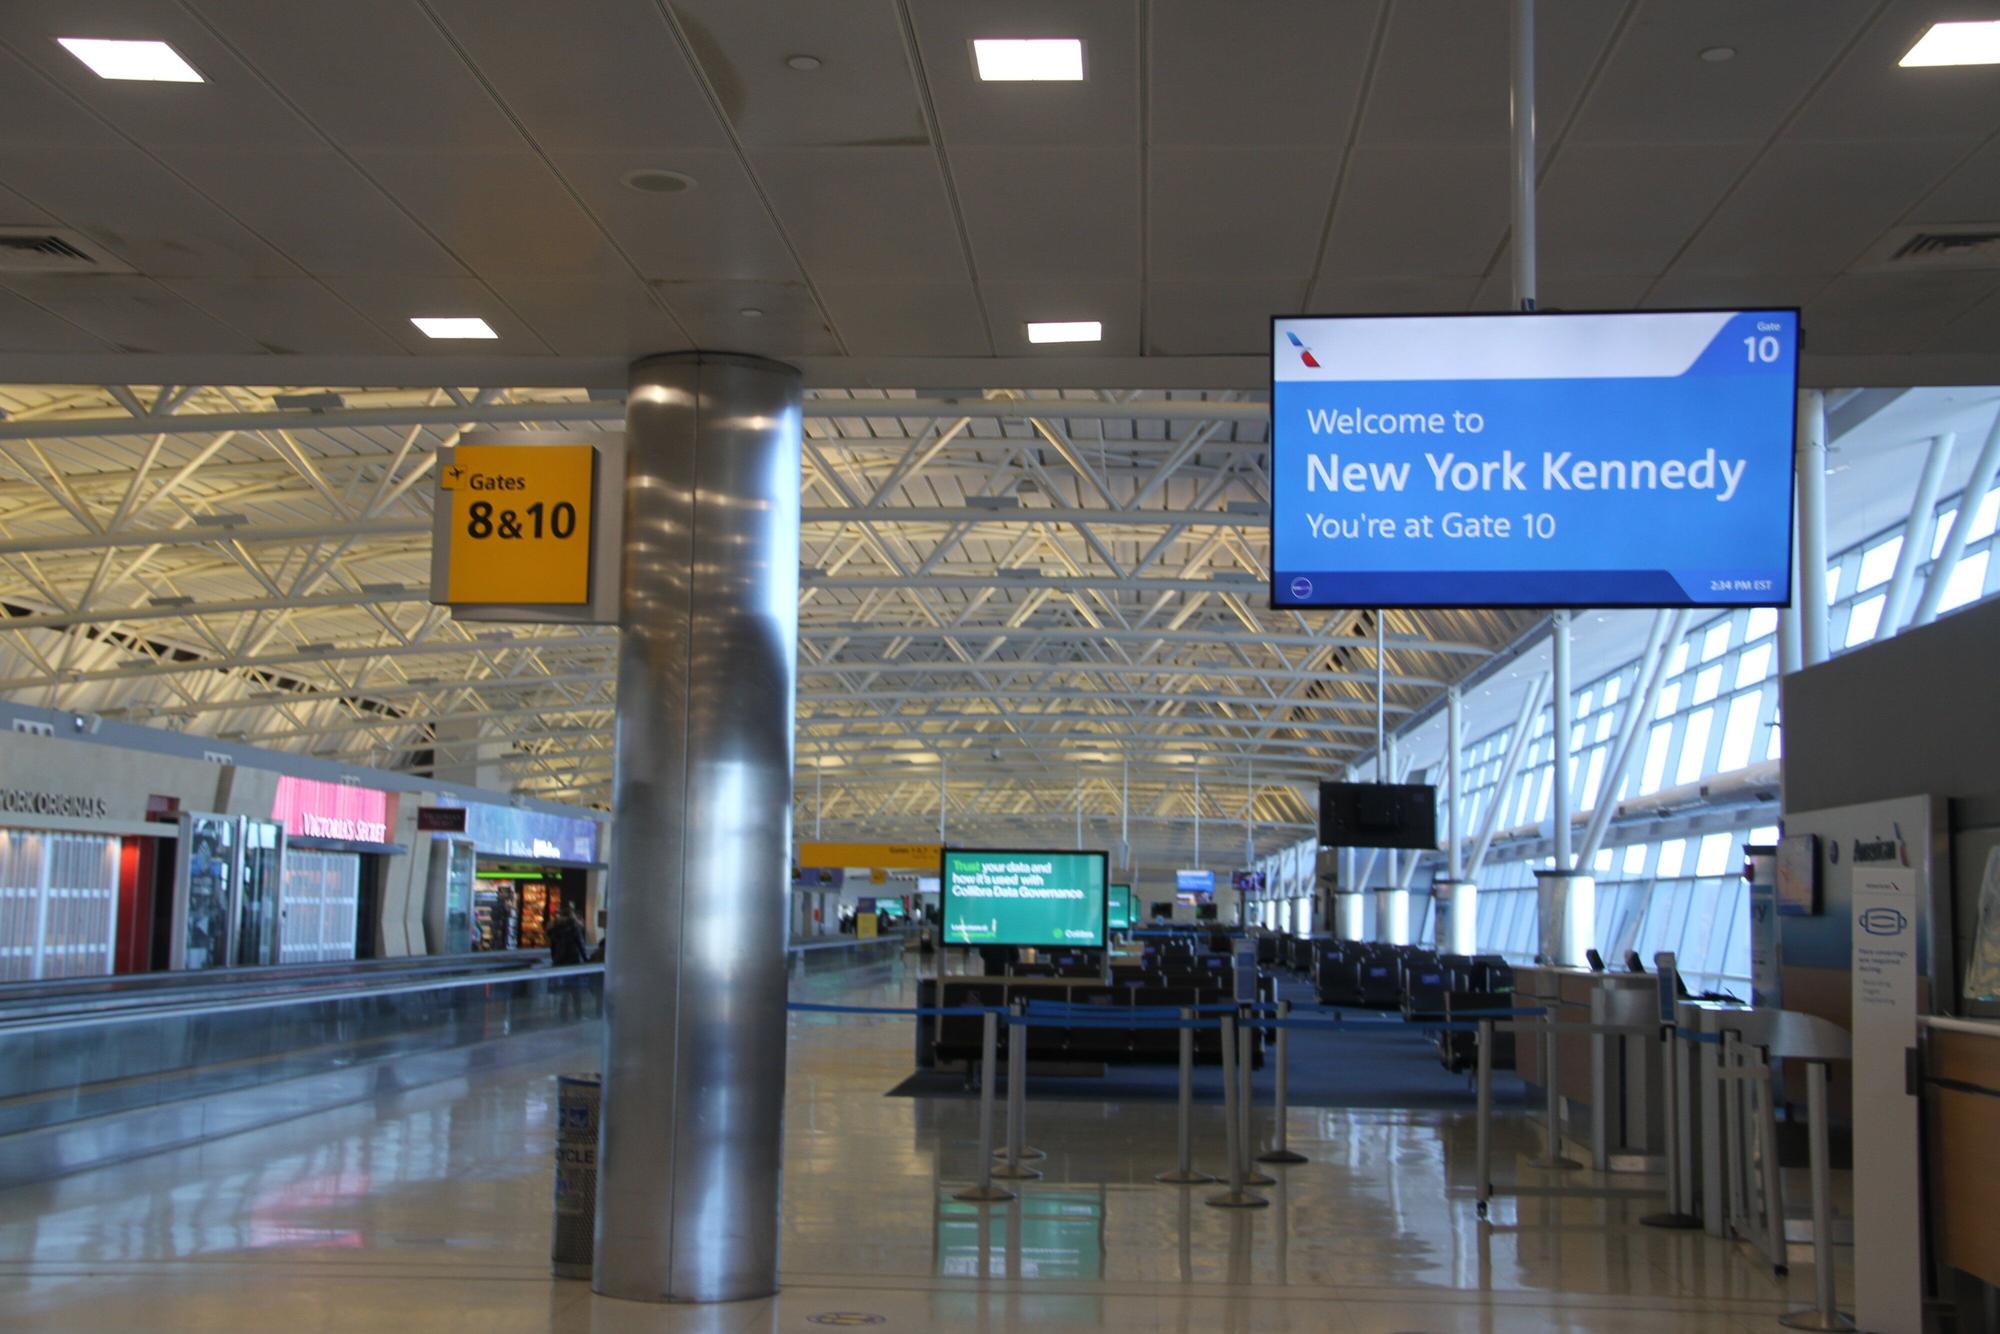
322	995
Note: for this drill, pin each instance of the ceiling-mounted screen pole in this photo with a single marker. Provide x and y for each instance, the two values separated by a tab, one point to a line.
1197	812
941	769
1521	113
816	801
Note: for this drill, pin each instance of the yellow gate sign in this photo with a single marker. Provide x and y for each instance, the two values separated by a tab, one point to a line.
519	529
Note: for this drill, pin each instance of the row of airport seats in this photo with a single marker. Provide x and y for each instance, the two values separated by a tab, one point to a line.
1417	981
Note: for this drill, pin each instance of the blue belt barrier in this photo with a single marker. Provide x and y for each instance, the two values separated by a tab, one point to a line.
926	1011
1078	1021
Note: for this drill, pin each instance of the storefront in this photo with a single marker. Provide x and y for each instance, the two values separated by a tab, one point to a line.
528	864
336	849
58	892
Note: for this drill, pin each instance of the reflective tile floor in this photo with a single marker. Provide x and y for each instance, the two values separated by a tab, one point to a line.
431	1212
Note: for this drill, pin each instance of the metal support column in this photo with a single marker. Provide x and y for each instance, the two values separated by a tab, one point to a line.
1454	742
1521	120
1917	533
1560	737
694	1084
1812	526
1977	483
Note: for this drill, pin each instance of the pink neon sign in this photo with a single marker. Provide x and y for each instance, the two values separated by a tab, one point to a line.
311	809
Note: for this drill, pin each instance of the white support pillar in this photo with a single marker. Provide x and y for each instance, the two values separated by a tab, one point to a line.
1453	768
1560	736
1811	465
1917	534
1977	483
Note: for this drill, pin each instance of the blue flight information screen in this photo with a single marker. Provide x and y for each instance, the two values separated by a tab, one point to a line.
1541	460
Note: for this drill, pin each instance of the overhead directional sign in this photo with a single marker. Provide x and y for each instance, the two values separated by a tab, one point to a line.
875	856
519	532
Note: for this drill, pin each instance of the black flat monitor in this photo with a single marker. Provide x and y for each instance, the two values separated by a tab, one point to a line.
1021	897
1378	815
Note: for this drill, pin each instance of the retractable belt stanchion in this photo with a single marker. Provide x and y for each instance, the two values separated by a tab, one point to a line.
1246	1137
1013	1168
1482	1156
1675	1150
1281	1105
1552	1155
1183	1173
1237	1196
986	1192
1823	1313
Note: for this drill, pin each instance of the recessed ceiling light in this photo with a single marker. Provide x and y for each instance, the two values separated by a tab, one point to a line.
1065	331
659	181
1028	60
144	61
453	326
802	62
1715	55
1970	43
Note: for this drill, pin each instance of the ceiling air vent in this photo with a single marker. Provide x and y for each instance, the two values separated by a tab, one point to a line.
1944	246
39	250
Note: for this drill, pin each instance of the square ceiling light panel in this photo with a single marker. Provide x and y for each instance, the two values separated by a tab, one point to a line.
1028	60
142	61
453	326
1065	331
1975	43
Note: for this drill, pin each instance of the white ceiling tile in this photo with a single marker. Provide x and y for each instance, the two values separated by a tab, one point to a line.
1102	110
26	327
1814	207
1257	71
370	73
1216	318
499	212
233	105
718	229
863	93
1441	78
138	211
134	314
578	319
622	80
286	315
390	301
1010	306
791	323
1971	193
1870	96
1392	296
1563	291
860	213
1655	88
1419	213
1050	212
1977	330
1215	212
1686	290
1861	313
316	208
882	318
34	113
1627	208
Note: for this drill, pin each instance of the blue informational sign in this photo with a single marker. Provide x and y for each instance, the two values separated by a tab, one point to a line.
1194	882
1546	460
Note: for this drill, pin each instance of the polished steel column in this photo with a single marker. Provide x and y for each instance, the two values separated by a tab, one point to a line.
694	1061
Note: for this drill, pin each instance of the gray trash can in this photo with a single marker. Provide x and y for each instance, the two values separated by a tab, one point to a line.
576	1175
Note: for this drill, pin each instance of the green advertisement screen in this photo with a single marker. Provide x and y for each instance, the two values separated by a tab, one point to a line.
1120	907
1006	897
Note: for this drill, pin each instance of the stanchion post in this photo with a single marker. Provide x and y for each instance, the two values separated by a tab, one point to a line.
1013	1168
1823	1314
1281	1152
986	1192
1246	1104
1183	1173
1482	1156
1676	1156
1237	1196
1552	1155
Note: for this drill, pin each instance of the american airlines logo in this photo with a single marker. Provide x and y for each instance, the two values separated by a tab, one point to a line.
1305	353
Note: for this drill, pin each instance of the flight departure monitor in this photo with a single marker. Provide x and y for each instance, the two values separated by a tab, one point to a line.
1024	897
1378	815
1641	459
1119	908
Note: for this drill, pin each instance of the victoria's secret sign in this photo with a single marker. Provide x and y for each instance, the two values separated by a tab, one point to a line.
311	809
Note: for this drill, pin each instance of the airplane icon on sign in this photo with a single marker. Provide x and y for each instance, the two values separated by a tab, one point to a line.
453	473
